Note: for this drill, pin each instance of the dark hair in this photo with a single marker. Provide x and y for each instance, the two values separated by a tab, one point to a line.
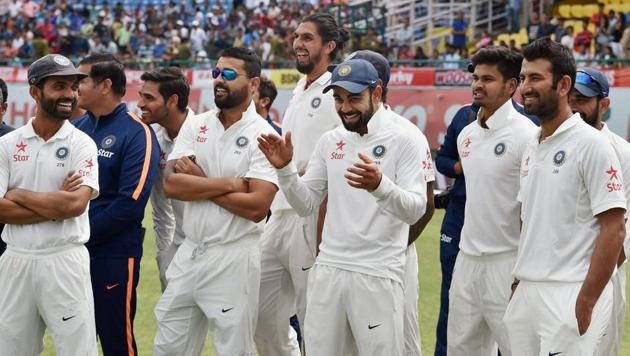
328	30
171	81
562	62
4	90
106	66
267	89
253	67
508	62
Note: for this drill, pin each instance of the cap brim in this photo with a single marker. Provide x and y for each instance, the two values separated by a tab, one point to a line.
586	90
352	87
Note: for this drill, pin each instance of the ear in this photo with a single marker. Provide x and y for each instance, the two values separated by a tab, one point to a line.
254	84
264	102
564	86
377	94
171	103
3	109
604	104
330	47
35	93
512	85
106	86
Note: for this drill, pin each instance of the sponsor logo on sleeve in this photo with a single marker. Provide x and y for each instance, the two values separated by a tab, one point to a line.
614	184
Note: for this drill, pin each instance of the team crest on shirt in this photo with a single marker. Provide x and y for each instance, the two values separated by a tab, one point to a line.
62	152
499	149
379	151
613	180
108	141
559	158
242	141
316	102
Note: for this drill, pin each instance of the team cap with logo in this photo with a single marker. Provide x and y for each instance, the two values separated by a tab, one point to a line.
52	65
353	75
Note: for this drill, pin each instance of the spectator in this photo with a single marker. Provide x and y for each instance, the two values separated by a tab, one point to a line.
40	46
546	27
458	32
29	9
584	38
404	34
625	42
371	41
567	39
420	56
451	57
560	30
485	40
599	16
514	13
533	27
197	37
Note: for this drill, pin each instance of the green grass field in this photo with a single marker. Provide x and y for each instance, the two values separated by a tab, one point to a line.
428	306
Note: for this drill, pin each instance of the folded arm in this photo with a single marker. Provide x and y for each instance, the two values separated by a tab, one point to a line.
253	204
53	205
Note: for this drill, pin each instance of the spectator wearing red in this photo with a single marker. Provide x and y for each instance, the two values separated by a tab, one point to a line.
584	38
599	15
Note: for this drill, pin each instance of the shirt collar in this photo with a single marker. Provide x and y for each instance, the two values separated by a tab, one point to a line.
566	125
378	120
499	118
249	114
62	133
122	107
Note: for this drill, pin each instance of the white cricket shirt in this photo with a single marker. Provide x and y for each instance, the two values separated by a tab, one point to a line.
566	180
364	232
222	153
28	162
308	116
491	160
168	214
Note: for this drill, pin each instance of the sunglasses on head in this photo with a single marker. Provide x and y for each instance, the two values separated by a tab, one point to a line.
226	73
586	79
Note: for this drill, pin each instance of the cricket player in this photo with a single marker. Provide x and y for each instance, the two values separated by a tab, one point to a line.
228	186
573	205
412	326
491	150
590	99
4	129
369	169
128	155
164	104
48	175
289	242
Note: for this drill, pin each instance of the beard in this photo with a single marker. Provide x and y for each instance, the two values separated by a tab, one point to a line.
310	65
232	98
545	110
49	106
591	119
364	118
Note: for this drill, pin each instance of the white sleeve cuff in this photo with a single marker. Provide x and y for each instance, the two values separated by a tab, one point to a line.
384	188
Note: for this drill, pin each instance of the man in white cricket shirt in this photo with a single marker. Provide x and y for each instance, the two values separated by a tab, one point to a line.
590	99
573	205
491	149
48	175
228	186
411	327
164	104
369	168
289	242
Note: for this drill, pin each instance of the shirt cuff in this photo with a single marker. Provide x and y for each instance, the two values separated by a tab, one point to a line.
288	170
384	188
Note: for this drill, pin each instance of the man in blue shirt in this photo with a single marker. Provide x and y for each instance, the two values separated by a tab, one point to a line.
459	31
128	156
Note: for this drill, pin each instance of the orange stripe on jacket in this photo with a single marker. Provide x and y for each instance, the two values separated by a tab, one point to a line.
128	307
147	157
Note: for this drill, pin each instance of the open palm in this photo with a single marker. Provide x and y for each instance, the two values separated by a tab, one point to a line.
279	152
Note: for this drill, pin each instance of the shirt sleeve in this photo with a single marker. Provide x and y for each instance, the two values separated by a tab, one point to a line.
405	197
259	167
306	193
427	161
163	216
86	162
185	143
4	167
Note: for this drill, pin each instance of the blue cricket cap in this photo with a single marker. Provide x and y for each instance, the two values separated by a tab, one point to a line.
353	75
590	82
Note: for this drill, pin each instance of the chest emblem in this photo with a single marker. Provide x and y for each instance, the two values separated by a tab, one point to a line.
242	141
108	141
499	149
379	151
62	152
559	158
316	102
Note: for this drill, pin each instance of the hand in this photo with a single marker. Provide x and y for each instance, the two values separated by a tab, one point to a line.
186	166
72	182
457	168
583	313
364	175
279	152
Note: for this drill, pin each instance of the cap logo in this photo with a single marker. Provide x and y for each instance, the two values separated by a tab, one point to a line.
61	60
344	70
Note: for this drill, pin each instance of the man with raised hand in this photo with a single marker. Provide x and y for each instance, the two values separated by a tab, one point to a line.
572	208
590	99
48	175
369	169
491	149
164	104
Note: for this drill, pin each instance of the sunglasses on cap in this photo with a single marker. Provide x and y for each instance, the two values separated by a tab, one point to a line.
226	73
586	79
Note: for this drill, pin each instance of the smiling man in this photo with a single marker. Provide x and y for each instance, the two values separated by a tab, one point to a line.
491	149
370	170
48	175
573	205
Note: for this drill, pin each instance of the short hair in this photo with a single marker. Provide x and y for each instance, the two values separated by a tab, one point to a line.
4	90
562	61
267	89
508	62
329	30
106	66
253	66
171	81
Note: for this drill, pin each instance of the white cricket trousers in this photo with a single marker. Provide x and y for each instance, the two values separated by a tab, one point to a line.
287	256
411	327
47	289
352	313
210	286
479	294
540	320
611	341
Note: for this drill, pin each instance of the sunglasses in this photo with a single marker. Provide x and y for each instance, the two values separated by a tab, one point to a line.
586	79
226	73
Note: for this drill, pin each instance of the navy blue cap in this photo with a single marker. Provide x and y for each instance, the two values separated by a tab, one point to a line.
590	82
353	75
52	65
380	63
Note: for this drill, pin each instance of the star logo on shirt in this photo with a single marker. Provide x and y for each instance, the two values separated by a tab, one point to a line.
467	142
203	129
21	147
612	173
89	164
162	155
340	145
